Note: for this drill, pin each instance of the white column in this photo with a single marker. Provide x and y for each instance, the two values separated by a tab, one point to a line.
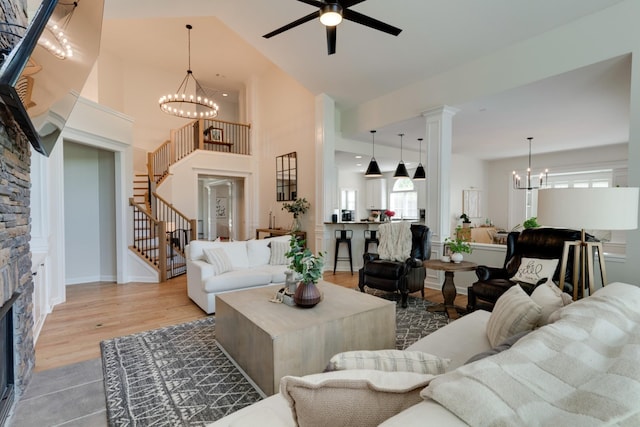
439	125
326	180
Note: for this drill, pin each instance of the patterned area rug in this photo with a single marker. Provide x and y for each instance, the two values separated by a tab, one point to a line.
179	376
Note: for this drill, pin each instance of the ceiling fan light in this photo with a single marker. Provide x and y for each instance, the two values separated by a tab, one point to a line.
331	15
420	174
401	171
373	170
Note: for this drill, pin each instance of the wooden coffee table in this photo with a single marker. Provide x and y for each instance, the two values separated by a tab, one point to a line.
270	340
448	287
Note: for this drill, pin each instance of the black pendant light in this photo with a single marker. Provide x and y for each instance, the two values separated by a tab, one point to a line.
420	174
373	170
401	170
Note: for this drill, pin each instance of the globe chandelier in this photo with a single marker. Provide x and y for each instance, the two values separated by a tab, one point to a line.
190	105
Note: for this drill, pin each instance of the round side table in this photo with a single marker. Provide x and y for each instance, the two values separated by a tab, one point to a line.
448	287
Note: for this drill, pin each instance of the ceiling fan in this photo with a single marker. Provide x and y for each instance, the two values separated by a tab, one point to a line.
331	14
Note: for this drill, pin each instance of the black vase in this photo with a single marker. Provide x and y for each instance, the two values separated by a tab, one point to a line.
307	295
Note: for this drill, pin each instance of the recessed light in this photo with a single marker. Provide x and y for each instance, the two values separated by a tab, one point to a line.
358	157
225	94
358	164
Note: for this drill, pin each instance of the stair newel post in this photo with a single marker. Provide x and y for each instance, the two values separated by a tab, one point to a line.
172	149
193	225
162	250
200	134
150	167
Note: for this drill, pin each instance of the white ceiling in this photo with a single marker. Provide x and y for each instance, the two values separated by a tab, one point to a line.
583	108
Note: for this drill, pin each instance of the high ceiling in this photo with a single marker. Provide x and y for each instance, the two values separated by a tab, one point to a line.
583	108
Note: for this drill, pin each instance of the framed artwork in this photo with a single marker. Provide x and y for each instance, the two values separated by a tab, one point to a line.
471	203
221	207
214	134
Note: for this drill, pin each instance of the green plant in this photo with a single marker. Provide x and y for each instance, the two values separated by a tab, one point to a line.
465	218
458	245
531	223
303	261
297	207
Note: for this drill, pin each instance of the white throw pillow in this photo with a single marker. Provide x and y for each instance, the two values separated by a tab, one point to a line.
352	398
514	312
389	360
237	252
533	270
219	259
550	298
278	251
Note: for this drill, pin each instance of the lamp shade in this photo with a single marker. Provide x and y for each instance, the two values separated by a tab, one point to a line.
589	208
420	173
373	169
401	171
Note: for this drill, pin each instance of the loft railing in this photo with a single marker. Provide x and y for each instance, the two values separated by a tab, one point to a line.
202	134
149	239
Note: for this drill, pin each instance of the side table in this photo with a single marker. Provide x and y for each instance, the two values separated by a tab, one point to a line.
448	287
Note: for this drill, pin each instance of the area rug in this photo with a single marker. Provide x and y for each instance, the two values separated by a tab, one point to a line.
179	376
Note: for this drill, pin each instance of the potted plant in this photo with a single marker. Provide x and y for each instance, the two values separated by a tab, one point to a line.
297	207
466	222
457	247
309	270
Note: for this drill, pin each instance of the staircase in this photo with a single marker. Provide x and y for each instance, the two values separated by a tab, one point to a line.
160	231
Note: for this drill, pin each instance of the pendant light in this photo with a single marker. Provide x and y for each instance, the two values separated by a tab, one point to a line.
530	184
420	174
373	170
401	170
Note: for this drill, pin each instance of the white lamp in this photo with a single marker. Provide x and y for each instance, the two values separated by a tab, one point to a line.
587	208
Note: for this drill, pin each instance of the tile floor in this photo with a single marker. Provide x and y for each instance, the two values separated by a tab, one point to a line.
70	396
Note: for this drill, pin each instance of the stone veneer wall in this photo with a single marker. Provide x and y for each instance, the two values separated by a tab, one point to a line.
15	256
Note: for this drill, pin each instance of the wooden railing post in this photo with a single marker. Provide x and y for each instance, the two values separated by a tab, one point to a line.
162	250
198	128
194	229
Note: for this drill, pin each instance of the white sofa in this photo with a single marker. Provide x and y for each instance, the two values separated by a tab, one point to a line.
612	342
250	261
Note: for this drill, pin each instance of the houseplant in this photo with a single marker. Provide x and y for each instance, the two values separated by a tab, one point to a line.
458	246
297	207
466	222
308	268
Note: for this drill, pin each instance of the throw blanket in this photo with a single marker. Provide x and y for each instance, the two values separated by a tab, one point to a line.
582	370
395	241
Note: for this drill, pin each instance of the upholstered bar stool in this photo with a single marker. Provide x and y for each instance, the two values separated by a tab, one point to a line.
370	236
343	236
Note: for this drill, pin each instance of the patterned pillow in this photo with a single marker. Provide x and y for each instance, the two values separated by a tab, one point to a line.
219	259
514	312
278	251
354	398
389	360
534	270
550	298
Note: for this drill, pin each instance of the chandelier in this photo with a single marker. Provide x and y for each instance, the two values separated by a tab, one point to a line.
530	183
189	105
54	38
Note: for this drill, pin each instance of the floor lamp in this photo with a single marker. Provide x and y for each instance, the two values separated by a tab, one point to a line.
592	209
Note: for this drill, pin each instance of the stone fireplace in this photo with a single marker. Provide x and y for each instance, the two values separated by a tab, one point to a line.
16	284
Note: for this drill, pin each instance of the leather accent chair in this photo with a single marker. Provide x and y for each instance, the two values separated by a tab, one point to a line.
543	243
398	276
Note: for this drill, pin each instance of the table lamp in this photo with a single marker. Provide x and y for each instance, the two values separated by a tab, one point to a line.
587	208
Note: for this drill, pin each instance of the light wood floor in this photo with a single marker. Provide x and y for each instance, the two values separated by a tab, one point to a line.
99	311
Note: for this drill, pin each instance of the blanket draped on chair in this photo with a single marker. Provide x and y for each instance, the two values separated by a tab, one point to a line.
582	370
395	241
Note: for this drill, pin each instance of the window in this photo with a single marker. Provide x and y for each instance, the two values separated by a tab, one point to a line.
403	199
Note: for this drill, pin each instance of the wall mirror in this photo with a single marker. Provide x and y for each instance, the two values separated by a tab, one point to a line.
287	177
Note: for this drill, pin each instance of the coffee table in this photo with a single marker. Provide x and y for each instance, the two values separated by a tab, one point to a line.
270	340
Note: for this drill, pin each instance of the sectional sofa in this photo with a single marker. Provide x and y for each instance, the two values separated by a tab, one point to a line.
214	267
574	364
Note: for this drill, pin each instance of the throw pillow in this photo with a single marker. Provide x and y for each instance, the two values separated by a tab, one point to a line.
514	312
550	298
278	251
504	345
351	398
535	270
219	259
389	360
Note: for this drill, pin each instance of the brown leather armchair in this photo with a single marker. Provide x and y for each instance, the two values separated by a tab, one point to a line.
544	243
397	276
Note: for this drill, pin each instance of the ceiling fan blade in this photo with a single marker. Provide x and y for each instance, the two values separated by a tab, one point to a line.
370	22
314	3
331	40
348	3
293	24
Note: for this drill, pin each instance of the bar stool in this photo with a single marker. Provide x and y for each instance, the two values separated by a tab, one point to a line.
343	236
370	236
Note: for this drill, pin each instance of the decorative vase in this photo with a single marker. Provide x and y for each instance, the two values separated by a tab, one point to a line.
295	225
290	282
307	295
456	257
